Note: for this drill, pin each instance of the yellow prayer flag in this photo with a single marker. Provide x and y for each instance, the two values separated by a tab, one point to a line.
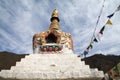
108	22
91	42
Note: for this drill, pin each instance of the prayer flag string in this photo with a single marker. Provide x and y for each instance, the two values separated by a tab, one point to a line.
96	39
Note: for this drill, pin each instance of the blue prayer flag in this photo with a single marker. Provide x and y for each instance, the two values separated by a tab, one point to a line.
85	52
110	15
95	40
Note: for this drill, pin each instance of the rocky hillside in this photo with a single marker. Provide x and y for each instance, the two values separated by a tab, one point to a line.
8	59
99	61
102	62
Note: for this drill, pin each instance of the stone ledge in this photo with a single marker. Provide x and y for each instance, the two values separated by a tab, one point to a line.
53	79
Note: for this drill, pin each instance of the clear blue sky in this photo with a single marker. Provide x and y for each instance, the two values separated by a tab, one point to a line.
21	19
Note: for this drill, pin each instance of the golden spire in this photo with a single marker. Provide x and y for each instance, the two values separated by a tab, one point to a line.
54	21
55	13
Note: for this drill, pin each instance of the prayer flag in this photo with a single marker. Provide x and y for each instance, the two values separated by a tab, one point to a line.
110	15
101	31
95	40
88	48
91	46
78	56
85	53
91	42
118	8
116	69
103	28
109	22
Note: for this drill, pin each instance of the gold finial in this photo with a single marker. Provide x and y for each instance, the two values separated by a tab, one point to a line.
55	15
54	21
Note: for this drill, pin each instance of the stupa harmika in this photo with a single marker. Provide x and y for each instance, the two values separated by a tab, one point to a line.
53	58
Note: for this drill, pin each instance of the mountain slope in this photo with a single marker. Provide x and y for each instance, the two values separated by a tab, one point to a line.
8	59
102	62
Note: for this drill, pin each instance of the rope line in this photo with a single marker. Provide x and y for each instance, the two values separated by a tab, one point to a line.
96	24
98	20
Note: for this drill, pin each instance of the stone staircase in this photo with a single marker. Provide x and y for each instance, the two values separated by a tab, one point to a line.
52	66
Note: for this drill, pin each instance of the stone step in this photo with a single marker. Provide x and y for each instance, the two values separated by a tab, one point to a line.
61	61
45	55
46	75
52	61
30	74
48	67
95	72
49	58
94	69
67	53
49	55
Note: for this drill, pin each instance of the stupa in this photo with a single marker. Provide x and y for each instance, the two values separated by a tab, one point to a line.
52	40
52	58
